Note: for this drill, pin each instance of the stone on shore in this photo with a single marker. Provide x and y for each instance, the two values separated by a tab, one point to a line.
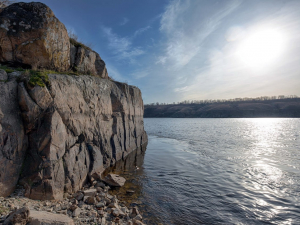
46	218
114	180
90	192
20	217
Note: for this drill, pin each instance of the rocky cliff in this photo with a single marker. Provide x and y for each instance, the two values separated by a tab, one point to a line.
32	37
57	136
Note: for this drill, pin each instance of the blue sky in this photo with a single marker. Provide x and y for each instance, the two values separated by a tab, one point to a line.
176	50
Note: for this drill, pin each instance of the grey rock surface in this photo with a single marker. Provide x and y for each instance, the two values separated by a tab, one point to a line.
87	61
13	141
90	124
3	75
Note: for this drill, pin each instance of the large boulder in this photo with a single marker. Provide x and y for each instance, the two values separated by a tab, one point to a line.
13	141
86	61
32	36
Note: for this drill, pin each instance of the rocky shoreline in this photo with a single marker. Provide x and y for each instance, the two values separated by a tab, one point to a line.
91	205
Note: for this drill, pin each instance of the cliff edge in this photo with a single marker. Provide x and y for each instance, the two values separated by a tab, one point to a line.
60	131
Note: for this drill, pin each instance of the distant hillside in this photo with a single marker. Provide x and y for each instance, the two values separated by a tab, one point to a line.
242	109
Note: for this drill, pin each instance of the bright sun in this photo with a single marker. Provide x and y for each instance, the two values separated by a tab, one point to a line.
261	48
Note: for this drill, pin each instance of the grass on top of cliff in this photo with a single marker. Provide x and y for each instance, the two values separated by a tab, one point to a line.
78	44
37	77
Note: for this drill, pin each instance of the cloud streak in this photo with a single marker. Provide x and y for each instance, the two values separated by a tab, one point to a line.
121	46
185	32
124	21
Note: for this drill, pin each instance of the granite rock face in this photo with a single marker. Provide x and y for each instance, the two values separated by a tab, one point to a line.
69	132
86	61
89	124
13	141
32	36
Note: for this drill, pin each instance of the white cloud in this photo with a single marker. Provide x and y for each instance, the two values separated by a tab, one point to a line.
186	31
124	21
141	30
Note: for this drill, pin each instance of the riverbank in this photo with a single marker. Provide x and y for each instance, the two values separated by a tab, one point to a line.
287	108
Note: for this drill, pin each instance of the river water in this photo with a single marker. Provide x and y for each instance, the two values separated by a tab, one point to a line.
216	171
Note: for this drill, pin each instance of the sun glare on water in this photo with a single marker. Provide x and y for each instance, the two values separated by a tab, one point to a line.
261	48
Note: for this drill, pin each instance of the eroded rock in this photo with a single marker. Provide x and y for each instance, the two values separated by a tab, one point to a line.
86	61
32	36
13	141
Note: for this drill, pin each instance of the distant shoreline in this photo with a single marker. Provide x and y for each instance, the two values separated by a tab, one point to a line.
279	108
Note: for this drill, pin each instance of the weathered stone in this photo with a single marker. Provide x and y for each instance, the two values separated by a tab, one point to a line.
134	212
100	185
13	141
41	96
137	222
73	207
115	212
18	217
138	217
90	200
30	110
3	75
114	180
86	61
100	204
80	196
76	212
46	218
32	36
90	192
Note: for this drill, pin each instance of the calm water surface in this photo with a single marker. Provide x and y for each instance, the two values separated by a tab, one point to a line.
217	171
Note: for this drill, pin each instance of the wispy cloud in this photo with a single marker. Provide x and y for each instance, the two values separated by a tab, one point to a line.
138	74
122	46
186	32
141	30
124	21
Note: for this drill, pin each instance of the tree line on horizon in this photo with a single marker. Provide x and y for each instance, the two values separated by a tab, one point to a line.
210	101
